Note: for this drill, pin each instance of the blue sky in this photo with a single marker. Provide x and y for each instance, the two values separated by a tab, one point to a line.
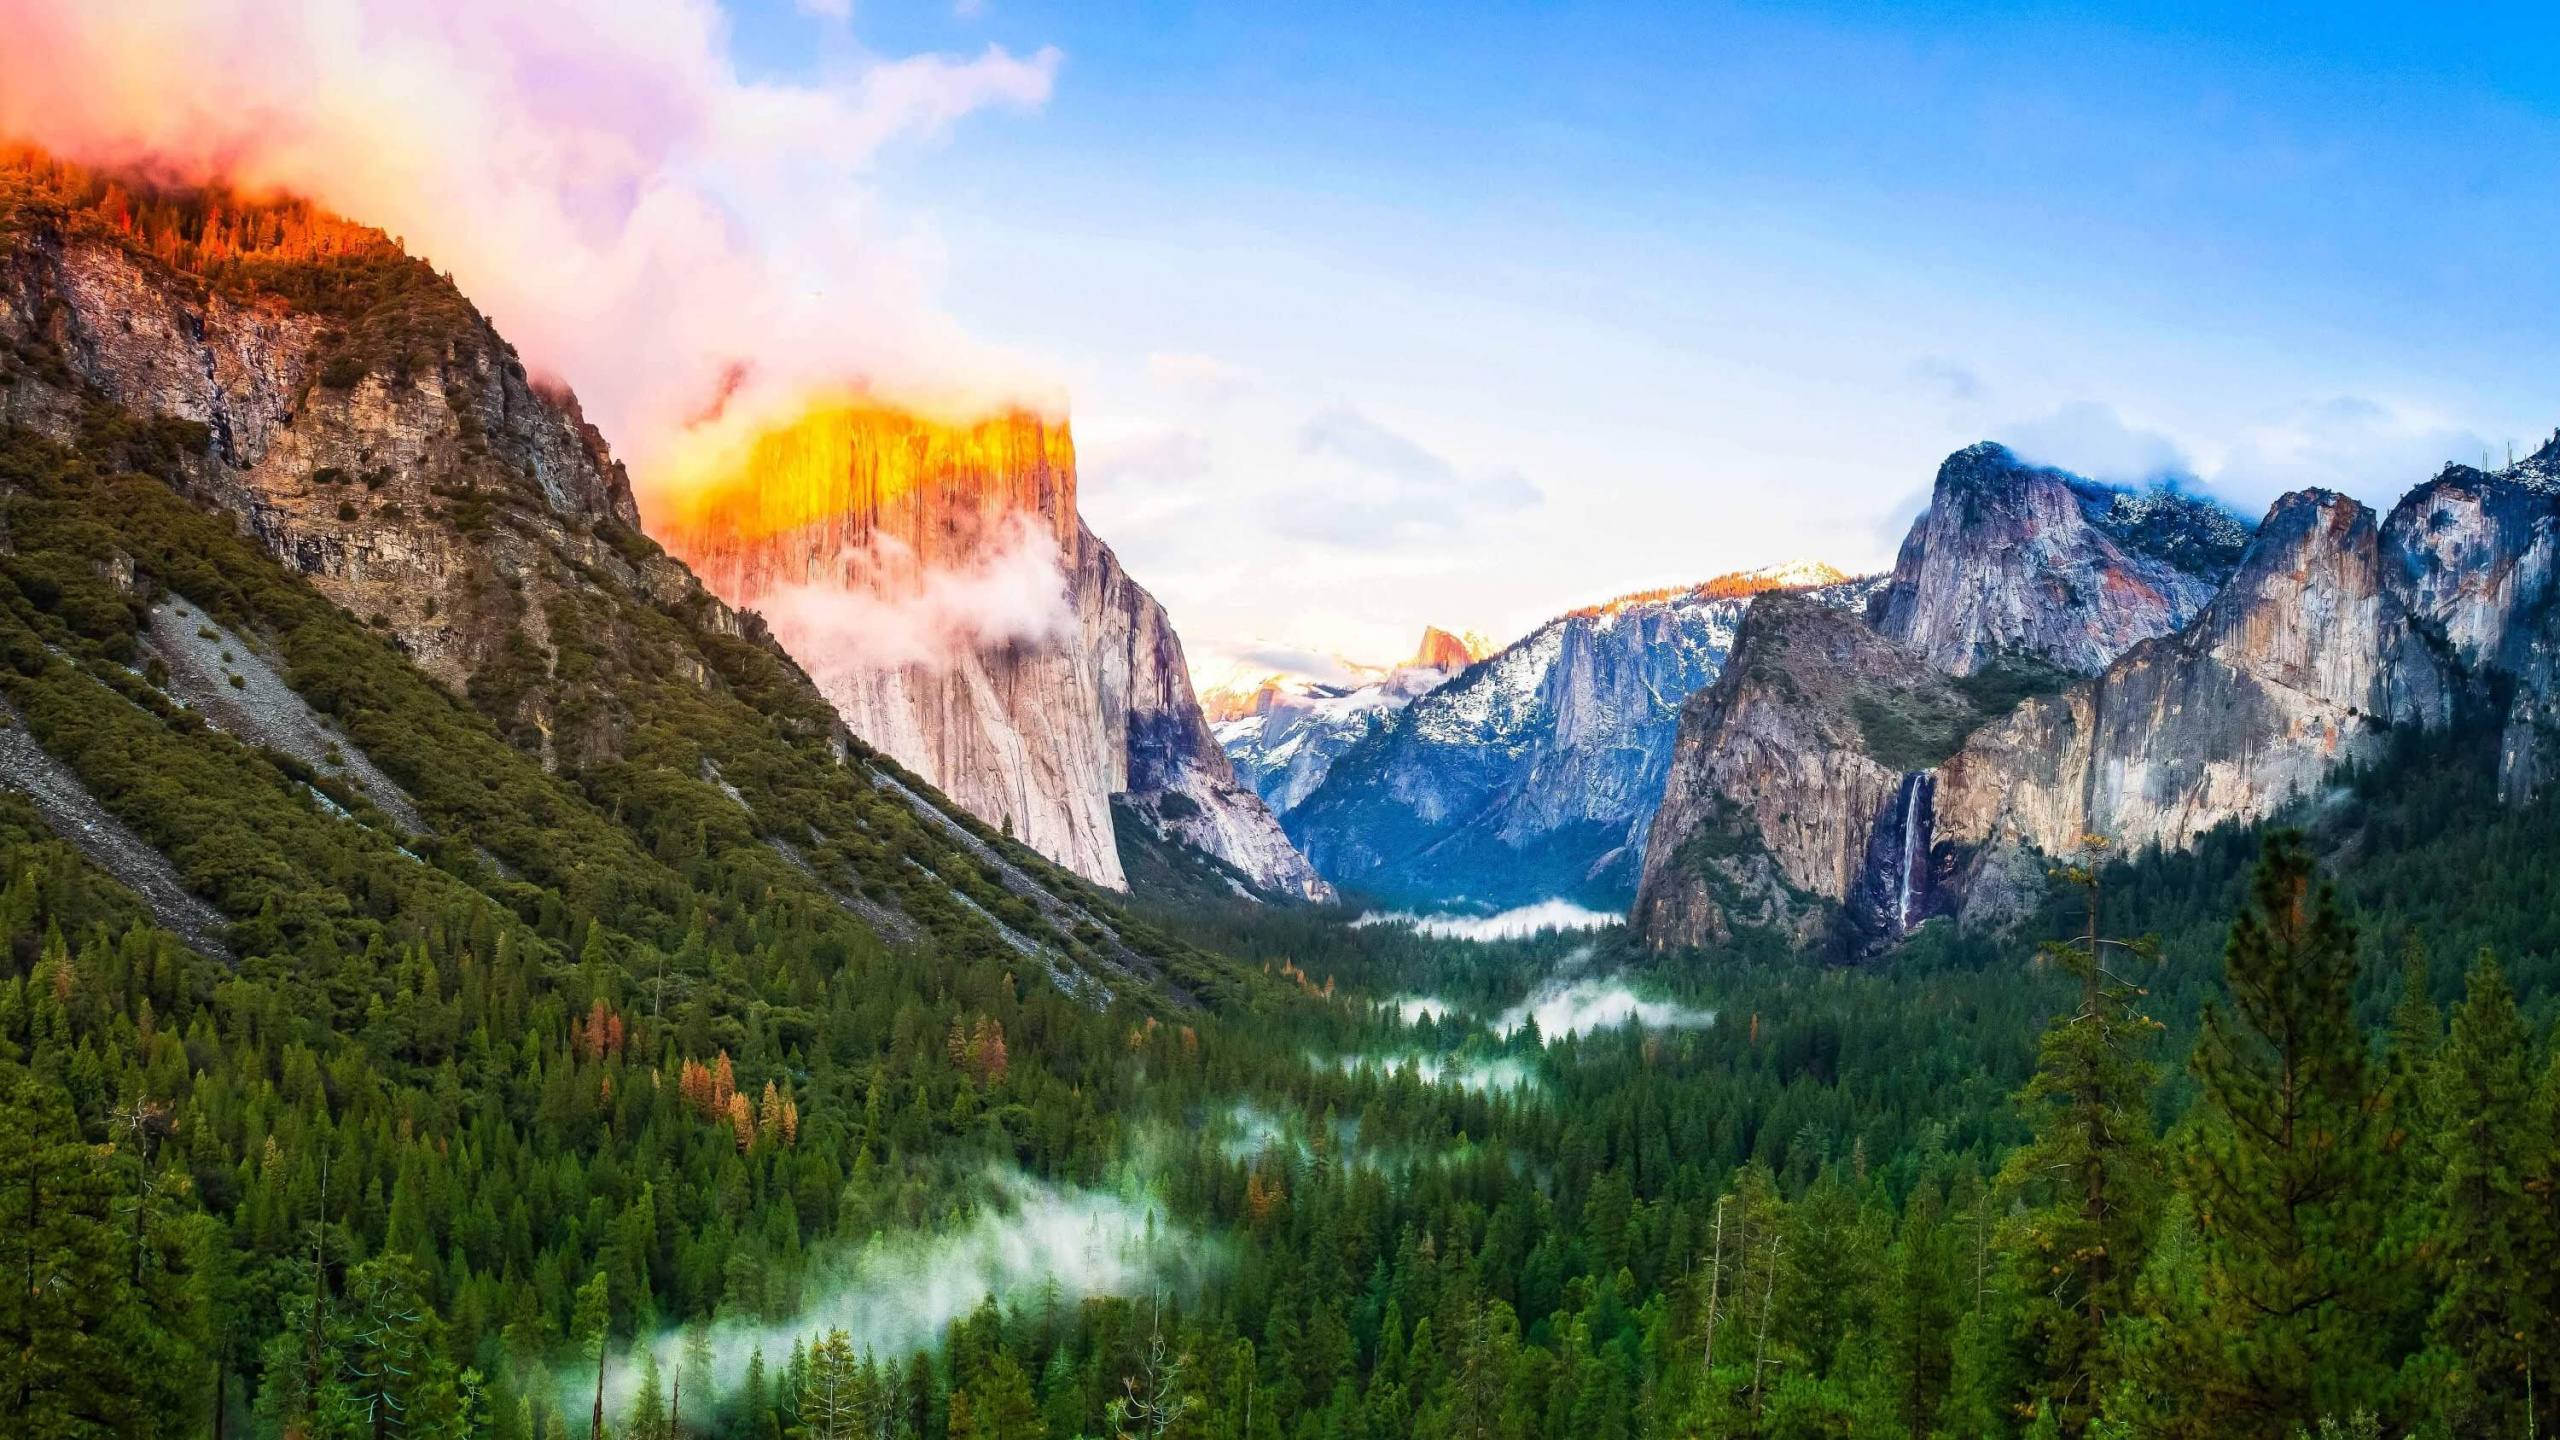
1375	316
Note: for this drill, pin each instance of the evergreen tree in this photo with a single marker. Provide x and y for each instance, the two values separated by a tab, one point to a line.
2094	1167
73	1339
2486	1307
593	1327
830	1400
647	1417
2289	1165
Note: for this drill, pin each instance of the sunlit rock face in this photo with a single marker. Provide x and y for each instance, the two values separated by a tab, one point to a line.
2019	559
2301	663
1441	650
935	580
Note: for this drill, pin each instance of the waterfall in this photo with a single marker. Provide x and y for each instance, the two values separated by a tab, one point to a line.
1916	824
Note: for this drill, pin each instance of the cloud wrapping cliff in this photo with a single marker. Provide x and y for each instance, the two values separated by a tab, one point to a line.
668	236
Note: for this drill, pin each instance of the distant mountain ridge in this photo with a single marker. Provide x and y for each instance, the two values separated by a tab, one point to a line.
1841	793
1533	774
1284	734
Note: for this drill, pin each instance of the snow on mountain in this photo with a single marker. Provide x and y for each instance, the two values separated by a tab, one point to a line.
1283	734
1533	774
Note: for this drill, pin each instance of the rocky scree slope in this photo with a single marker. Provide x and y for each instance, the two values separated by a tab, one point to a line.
347	469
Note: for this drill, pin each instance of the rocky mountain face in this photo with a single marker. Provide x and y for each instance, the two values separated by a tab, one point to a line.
1775	782
937	582
2303	661
1284	734
1534	774
2333	626
416	476
569	713
2018	559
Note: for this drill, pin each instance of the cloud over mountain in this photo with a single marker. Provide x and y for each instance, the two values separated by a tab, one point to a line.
667	236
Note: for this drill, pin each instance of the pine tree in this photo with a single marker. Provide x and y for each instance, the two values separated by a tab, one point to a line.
647	1417
74	1345
2289	1168
592	1327
1006	1407
393	1380
2480	1251
2094	1167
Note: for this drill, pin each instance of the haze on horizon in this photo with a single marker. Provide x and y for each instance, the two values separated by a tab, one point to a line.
1375	320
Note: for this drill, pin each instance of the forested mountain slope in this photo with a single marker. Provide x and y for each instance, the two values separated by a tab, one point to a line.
618	1049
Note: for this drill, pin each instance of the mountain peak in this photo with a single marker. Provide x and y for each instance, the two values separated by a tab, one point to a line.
1441	650
1798	574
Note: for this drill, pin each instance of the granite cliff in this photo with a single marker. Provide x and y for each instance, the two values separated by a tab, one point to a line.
936	580
2012	558
2331	626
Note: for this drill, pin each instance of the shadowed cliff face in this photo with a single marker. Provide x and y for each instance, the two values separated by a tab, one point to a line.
935	579
2012	558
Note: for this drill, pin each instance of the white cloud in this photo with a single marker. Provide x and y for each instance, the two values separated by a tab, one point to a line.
1198	377
1945	378
2090	438
2367	448
1585	1006
1371	486
899	1293
889	612
1509	925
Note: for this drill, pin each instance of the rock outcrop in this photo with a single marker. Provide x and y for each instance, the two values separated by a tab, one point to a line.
2302	662
2474	560
2014	559
1441	650
419	479
1534	774
1776	789
936	581
2333	626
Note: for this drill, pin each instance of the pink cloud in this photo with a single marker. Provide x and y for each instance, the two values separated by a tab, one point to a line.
595	173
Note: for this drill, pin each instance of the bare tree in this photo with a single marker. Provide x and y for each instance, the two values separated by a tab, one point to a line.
1153	1400
1768	1302
1715	1286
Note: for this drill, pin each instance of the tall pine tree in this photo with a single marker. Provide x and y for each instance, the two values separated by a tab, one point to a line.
2093	1172
2485	1305
2289	1167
